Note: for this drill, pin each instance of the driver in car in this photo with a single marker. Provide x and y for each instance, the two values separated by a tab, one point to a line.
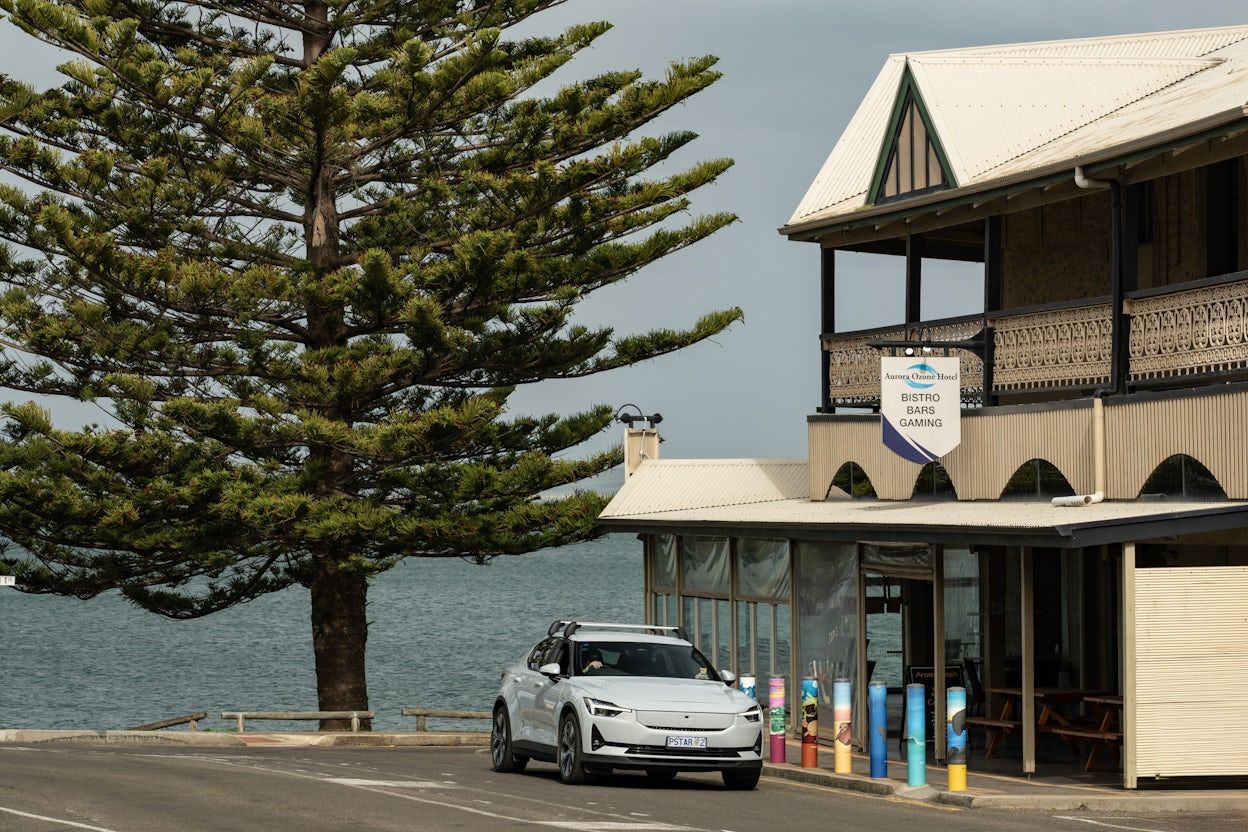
593	661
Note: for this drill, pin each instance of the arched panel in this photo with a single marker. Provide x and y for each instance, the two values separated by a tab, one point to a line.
1037	479
854	481
1185	477
933	483
1142	434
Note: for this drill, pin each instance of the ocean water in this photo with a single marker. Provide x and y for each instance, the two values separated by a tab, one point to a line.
440	633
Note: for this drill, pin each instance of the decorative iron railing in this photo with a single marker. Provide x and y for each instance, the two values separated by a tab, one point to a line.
1177	334
854	367
1066	347
1195	329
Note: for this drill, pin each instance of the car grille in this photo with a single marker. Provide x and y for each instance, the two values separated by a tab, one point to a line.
677	721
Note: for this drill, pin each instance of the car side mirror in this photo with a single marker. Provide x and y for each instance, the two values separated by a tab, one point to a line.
728	676
552	670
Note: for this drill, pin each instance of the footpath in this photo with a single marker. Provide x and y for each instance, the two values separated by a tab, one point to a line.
999	791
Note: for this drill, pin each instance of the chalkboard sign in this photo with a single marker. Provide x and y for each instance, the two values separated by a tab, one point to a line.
925	675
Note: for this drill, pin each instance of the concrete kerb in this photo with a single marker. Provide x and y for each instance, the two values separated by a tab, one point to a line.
1175	801
823	777
213	739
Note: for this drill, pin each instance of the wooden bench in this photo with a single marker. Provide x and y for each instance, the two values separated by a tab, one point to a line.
997	729
1100	734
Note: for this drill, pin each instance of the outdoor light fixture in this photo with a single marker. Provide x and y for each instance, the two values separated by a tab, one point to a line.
629	419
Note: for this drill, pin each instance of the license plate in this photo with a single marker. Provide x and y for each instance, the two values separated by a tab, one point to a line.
686	742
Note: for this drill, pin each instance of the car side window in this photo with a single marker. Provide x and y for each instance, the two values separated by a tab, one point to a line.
537	657
558	654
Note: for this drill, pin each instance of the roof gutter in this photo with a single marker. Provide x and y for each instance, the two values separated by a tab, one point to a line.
1206	128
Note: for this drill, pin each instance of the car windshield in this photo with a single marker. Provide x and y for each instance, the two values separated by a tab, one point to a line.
653	659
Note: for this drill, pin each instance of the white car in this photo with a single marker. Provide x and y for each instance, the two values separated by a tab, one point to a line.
595	697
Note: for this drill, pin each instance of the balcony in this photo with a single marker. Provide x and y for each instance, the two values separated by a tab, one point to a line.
1179	335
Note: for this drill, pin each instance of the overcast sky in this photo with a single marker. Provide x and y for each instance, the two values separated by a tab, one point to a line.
794	71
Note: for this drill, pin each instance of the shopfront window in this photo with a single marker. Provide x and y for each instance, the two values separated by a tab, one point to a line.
827	612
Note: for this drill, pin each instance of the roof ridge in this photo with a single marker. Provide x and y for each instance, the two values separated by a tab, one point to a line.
1094	39
1207	58
1102	116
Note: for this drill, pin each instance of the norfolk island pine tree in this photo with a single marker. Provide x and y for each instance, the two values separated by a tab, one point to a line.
303	253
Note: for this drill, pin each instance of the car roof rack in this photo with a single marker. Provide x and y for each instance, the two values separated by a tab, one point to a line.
570	627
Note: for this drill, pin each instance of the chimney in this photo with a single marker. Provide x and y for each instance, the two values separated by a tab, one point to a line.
639	444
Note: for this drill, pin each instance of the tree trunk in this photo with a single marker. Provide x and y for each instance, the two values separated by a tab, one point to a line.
339	636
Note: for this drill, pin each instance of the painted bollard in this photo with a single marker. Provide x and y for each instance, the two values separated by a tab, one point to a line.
810	722
842	720
775	717
748	686
877	702
916	735
956	739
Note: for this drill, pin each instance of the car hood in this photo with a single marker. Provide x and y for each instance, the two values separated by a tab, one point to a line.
657	694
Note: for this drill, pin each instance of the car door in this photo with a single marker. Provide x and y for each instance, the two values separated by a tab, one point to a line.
528	682
550	693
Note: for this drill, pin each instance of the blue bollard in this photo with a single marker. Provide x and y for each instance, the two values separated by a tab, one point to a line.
877	701
916	735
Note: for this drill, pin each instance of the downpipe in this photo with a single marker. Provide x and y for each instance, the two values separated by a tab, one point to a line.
1098	457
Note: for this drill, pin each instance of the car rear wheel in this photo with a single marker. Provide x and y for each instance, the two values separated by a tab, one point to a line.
662	775
503	756
742	779
571	768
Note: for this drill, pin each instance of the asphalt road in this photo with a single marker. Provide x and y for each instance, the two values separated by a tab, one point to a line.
49	787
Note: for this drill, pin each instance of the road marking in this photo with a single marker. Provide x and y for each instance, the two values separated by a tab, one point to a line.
610	826
586	825
390	784
1109	825
75	824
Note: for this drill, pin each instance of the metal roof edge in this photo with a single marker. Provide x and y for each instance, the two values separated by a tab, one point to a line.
810	230
1066	536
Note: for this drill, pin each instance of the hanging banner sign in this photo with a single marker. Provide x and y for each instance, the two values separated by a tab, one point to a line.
920	406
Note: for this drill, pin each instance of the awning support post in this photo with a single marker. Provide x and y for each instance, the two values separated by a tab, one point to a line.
1129	777
938	650
1027	607
860	708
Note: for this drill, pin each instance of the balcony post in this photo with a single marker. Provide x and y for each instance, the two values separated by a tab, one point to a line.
827	324
1120	335
993	289
914	278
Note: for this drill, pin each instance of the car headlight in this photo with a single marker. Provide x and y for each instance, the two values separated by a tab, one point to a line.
753	714
599	708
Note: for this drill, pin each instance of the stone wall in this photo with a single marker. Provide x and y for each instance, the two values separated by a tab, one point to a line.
1057	252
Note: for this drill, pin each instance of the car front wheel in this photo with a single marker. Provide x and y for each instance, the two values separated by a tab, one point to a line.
503	756
571	767
741	779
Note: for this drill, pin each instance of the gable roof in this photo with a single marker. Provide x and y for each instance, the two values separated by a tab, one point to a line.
1004	111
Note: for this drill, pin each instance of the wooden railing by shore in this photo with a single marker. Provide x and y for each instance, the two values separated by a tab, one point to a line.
190	719
424	714
242	716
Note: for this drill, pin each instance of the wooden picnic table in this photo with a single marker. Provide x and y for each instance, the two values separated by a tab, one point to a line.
1105	732
1047	697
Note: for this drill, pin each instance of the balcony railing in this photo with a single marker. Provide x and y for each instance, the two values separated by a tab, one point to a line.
1183	332
1199	329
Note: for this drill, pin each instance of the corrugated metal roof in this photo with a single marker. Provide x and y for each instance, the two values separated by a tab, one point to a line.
1005	110
773	493
662	485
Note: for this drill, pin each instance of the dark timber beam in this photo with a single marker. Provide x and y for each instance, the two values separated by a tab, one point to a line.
827	322
994	287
